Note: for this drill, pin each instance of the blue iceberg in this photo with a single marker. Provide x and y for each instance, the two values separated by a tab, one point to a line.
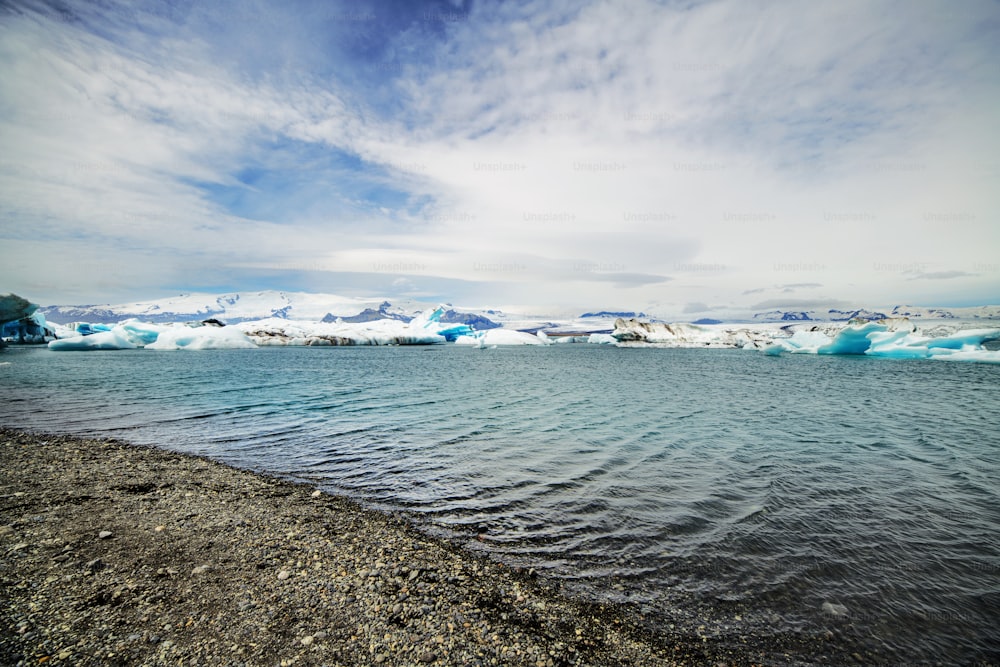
892	340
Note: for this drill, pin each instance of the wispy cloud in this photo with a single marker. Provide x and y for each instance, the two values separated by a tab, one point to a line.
620	153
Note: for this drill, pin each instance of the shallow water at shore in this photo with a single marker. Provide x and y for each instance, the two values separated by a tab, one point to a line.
724	489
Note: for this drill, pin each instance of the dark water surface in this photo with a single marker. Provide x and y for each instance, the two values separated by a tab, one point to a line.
721	492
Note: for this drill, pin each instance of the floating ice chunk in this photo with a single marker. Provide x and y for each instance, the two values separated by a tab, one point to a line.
89	328
982	356
500	337
201	338
429	319
453	332
966	338
116	339
891	339
562	340
852	339
14	307
141	333
602	339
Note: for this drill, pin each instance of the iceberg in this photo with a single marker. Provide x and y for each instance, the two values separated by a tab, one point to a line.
892	339
500	337
634	332
602	339
133	334
431	323
115	339
14	307
889	338
20	323
278	331
201	338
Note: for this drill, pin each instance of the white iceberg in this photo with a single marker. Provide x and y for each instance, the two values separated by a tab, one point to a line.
201	338
492	337
133	334
602	339
115	339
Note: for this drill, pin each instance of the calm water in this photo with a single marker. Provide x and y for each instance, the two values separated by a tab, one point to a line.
788	497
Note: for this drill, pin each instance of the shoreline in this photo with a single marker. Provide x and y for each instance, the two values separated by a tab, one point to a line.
114	553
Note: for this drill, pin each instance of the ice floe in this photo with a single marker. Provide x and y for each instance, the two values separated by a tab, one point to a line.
501	337
201	338
892	339
113	339
133	334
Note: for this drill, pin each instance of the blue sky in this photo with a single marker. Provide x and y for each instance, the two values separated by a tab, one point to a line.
688	159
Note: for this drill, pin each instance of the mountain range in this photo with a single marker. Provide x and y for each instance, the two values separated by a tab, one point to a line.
245	306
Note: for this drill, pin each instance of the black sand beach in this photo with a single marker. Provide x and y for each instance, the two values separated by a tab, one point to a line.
112	554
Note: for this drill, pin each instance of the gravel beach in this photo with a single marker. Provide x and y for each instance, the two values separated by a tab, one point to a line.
112	554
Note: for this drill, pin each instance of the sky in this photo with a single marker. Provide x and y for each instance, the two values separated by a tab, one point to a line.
688	158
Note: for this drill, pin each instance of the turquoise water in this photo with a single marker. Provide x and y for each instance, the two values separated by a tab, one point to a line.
849	499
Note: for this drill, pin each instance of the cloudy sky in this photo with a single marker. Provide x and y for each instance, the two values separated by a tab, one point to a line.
684	158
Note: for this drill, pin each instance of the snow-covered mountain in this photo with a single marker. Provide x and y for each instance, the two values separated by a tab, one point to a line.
234	307
247	306
913	312
921	313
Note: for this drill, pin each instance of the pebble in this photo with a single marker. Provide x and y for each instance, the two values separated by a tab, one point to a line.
387	594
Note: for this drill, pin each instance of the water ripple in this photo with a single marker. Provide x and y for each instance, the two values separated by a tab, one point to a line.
704	485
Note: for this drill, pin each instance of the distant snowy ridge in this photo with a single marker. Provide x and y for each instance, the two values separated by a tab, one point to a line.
913	312
250	306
